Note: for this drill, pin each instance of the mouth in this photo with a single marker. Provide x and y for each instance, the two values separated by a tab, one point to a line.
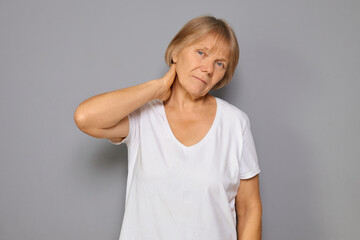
200	80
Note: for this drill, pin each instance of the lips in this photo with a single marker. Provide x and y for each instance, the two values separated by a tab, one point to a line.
200	80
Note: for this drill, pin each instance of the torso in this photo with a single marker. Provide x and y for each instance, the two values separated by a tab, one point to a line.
191	127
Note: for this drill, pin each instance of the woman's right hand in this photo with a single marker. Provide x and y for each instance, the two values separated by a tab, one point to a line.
166	82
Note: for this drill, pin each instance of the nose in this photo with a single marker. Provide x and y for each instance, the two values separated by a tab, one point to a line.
207	66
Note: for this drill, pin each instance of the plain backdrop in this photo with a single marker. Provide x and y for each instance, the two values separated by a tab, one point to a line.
297	79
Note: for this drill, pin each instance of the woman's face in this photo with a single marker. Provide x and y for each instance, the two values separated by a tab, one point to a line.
201	65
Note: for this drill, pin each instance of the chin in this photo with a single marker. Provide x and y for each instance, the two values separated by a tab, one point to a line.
195	90
197	93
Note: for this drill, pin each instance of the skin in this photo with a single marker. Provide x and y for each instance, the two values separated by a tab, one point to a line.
198	67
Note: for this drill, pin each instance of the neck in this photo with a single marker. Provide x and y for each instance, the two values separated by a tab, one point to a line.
181	99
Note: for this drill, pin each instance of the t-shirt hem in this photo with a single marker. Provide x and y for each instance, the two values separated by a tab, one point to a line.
117	142
250	174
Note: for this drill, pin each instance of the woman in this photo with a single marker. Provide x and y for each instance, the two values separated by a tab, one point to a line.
187	150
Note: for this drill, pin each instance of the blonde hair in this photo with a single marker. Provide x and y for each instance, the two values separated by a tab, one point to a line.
199	28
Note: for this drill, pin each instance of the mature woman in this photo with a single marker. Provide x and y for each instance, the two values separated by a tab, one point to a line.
192	164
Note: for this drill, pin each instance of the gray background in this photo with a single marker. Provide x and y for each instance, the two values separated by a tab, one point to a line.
297	79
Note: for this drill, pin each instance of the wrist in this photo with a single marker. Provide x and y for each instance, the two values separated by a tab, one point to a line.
156	87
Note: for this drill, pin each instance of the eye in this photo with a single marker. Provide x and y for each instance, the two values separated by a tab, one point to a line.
200	52
220	64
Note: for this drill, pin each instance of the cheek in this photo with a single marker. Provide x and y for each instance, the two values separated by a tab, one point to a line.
189	63
220	76
182	69
181	72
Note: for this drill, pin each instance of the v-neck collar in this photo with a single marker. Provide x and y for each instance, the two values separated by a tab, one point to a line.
196	145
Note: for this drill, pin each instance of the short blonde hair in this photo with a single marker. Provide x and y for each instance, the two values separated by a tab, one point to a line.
199	28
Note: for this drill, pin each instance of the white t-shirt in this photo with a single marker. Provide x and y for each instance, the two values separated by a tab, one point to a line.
175	192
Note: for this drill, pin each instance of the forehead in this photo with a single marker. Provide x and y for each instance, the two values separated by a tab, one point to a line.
214	45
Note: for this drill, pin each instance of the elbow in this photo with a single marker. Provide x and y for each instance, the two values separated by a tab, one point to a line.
84	123
80	119
254	209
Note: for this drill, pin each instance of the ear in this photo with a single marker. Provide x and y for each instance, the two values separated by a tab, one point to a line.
174	57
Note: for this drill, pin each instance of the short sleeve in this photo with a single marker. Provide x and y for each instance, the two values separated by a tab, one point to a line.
134	119
249	165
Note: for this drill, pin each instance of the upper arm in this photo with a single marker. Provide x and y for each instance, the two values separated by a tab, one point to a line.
116	133
248	195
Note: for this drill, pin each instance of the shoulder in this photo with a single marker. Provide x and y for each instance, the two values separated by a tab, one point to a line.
153	104
231	112
150	106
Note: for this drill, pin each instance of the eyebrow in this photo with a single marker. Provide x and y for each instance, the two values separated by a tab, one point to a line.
222	59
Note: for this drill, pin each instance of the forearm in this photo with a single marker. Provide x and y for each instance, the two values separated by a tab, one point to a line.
249	226
107	109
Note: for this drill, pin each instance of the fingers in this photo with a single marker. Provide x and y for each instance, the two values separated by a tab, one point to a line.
172	70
